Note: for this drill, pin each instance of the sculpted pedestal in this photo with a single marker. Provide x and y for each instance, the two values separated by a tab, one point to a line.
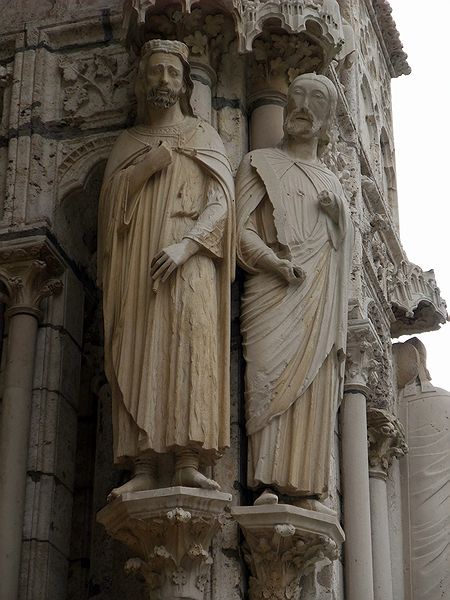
170	531
283	544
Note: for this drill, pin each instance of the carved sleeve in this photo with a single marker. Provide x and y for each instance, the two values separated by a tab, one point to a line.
258	236
209	229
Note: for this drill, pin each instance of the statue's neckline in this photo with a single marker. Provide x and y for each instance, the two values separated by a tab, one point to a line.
175	128
299	160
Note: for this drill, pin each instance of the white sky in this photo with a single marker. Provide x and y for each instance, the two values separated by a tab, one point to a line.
421	105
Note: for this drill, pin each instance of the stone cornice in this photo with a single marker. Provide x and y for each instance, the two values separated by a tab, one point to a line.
390	37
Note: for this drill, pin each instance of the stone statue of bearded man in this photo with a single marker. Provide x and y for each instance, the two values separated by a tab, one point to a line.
165	266
294	239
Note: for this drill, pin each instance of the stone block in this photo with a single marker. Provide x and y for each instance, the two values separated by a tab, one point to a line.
57	366
53	436
66	310
43	573
48	512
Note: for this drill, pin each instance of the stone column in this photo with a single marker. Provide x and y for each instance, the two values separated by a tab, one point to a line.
362	340
266	121
204	78
386	442
26	273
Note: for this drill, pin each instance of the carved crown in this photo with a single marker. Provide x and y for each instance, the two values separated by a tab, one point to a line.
166	46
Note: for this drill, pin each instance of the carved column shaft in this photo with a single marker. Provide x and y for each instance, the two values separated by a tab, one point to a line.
381	548
387	440
358	551
203	77
266	122
26	281
14	433
355	476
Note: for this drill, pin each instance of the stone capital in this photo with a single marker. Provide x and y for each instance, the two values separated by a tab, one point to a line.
387	441
283	544
170	531
364	349
29	268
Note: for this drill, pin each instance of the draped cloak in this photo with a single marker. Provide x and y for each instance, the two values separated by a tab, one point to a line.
294	335
167	343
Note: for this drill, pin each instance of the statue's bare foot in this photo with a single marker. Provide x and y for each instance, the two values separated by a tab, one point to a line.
267	497
314	504
139	483
191	477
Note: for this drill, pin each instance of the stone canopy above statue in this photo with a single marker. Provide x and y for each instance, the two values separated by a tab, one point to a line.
317	21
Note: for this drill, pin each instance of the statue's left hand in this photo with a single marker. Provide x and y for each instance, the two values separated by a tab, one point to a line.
328	203
172	257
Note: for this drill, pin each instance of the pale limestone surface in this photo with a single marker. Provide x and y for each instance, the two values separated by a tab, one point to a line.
426	411
294	240
165	266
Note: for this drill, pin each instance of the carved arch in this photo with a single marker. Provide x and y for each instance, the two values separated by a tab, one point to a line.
76	166
75	214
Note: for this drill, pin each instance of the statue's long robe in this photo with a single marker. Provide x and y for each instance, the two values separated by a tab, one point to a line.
167	345
294	335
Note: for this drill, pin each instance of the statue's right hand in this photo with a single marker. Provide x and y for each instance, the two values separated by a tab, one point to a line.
160	157
290	272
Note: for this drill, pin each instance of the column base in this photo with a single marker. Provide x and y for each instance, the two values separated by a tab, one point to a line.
283	544
170	531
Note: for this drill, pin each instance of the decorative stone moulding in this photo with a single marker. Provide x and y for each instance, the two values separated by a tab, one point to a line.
321	19
391	38
170	531
387	440
284	543
416	301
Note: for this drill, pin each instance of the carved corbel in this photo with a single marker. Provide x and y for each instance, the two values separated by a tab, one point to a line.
170	532
284	544
387	441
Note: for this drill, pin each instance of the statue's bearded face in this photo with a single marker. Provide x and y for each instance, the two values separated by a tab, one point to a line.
308	109
164	80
